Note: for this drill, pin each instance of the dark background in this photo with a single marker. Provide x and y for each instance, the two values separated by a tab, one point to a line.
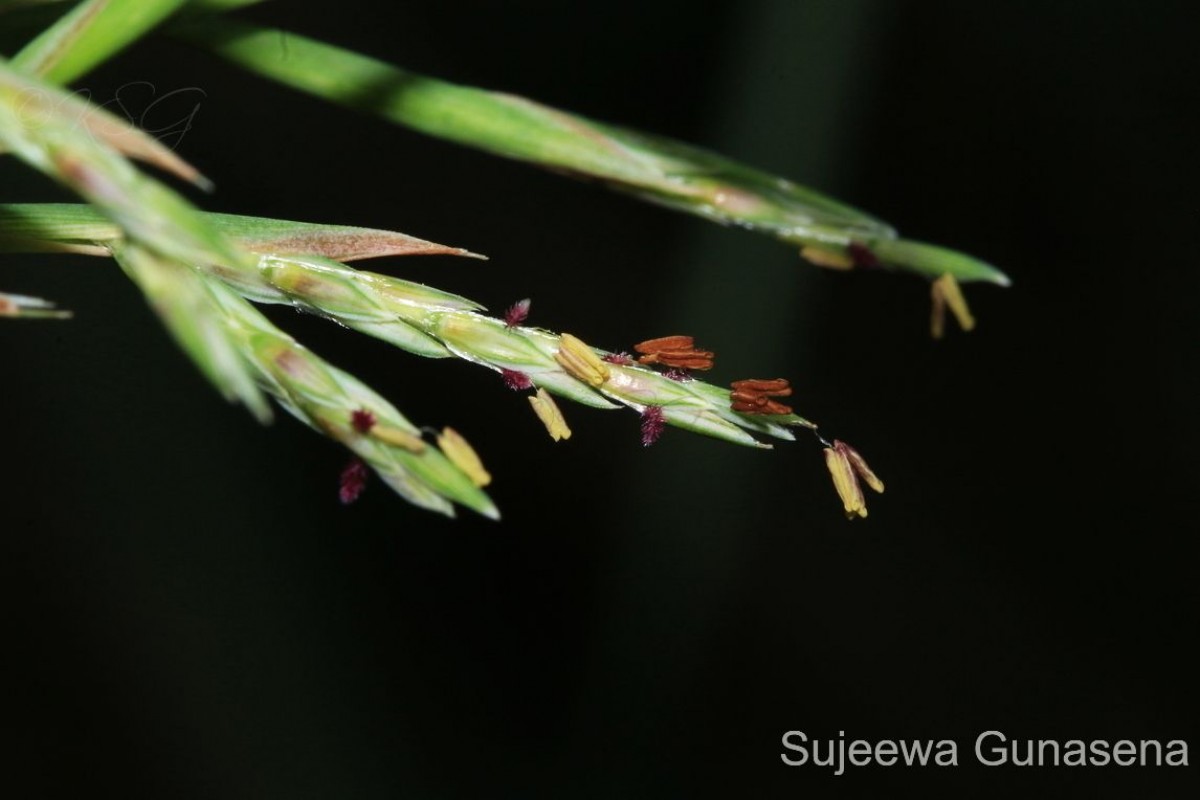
195	615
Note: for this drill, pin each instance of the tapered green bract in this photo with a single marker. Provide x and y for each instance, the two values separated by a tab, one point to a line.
73	227
198	271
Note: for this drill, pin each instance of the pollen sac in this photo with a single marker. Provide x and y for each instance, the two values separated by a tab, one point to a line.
859	464
845	482
678	352
827	258
398	438
753	396
846	466
580	361
946	293
853	255
547	411
463	456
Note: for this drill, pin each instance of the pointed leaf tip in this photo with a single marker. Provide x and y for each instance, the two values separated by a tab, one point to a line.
935	261
336	242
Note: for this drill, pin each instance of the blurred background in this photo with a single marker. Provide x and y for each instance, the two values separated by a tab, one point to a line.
195	615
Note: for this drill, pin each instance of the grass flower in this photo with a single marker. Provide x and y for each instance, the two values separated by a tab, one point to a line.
201	272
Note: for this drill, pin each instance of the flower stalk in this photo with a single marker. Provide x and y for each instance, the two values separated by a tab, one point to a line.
436	324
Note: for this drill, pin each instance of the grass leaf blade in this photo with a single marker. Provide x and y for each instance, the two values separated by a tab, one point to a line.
90	34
